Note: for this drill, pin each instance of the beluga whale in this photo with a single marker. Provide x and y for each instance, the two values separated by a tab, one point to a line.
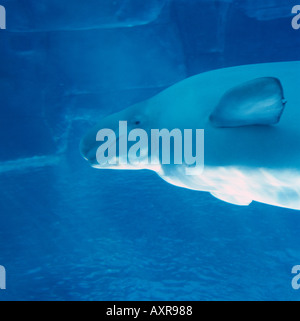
250	117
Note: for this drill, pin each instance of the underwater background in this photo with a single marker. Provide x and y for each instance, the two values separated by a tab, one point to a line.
70	232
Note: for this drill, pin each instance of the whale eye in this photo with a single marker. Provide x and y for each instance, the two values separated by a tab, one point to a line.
137	122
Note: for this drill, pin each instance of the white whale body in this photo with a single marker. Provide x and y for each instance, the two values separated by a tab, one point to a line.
251	118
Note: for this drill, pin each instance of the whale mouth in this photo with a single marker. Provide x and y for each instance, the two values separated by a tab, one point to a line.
87	151
91	156
90	153
84	151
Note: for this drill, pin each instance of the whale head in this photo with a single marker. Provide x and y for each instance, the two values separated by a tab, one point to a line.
135	117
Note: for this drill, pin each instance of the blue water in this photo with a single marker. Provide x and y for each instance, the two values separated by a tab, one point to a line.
69	232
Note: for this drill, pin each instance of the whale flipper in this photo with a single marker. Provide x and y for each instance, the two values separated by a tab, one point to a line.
233	199
257	102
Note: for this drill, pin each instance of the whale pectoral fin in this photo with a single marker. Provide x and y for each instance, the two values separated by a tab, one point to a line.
257	102
233	199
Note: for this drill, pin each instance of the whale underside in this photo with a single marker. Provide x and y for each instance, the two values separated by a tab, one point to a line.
251	119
